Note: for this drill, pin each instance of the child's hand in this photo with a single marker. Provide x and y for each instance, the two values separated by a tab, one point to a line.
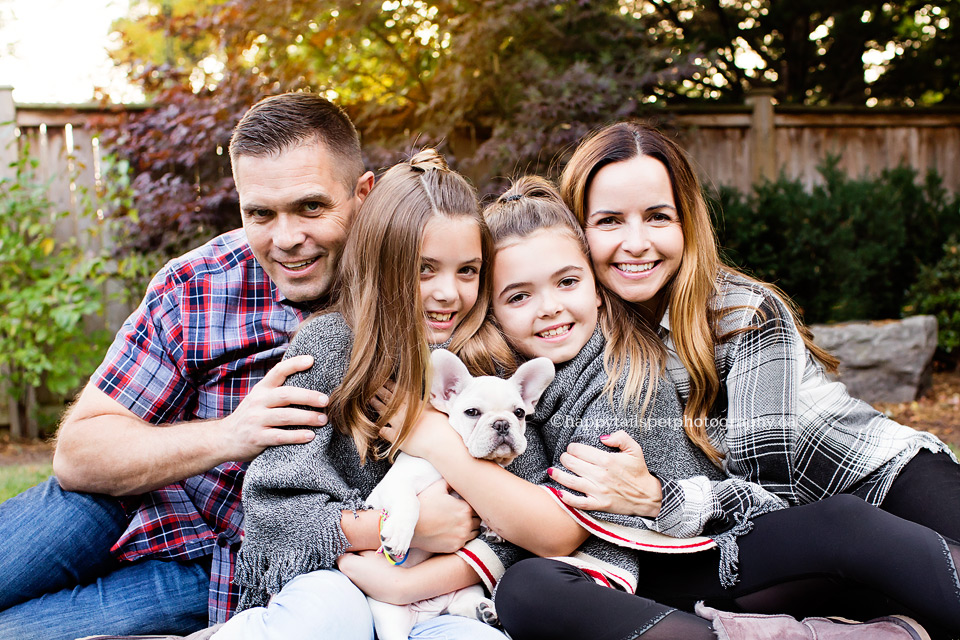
446	522
381	400
375	576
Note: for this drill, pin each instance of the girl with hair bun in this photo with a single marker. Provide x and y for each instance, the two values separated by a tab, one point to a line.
414	275
756	402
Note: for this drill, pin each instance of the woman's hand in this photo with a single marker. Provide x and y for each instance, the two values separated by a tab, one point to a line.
612	482
446	522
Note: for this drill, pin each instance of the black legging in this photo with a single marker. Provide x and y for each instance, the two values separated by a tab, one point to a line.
927	491
788	563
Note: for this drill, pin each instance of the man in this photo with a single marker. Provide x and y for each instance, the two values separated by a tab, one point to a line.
197	357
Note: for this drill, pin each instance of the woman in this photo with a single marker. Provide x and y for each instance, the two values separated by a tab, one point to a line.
756	398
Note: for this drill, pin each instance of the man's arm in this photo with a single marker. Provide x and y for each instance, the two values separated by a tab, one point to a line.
103	447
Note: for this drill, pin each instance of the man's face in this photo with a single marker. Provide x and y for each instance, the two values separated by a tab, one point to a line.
296	211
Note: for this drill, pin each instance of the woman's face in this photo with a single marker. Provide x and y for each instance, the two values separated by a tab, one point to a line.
451	258
633	229
544	296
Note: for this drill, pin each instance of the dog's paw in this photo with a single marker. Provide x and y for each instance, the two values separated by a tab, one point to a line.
486	613
396	533
489	535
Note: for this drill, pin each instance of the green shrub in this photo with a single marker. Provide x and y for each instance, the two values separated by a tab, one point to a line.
847	249
48	289
937	292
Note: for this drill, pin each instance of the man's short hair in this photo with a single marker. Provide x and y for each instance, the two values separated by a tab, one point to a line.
281	122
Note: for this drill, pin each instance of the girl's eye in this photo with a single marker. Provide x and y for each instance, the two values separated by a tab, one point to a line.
469	271
517	297
568	282
425	269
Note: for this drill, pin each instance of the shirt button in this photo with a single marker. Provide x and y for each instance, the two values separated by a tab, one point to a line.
222	540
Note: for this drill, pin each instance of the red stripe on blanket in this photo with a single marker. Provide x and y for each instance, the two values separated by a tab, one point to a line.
595	528
598	577
479	564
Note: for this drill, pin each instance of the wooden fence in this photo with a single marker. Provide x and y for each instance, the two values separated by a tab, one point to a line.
67	154
734	146
737	147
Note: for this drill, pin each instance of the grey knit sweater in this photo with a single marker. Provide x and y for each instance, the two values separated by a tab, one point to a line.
698	498
293	495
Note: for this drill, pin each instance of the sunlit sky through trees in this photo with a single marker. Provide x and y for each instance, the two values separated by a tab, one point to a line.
56	50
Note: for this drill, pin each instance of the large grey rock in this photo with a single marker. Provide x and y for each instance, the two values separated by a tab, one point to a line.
885	360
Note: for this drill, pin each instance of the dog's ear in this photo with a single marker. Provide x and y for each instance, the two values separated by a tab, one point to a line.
450	375
533	378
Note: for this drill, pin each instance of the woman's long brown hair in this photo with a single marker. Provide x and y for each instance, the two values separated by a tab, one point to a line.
631	336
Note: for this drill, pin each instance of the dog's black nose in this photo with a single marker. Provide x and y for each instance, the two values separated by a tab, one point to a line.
501	426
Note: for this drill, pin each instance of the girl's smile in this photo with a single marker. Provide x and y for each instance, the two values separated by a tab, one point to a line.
545	298
449	274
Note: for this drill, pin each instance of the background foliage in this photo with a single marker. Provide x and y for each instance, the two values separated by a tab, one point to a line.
813	51
507	86
499	86
937	292
848	249
502	86
48	292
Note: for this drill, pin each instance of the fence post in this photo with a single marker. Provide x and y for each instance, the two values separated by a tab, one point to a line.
8	156
763	147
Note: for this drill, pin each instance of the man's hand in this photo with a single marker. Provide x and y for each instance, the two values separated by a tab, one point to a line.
254	424
612	482
446	522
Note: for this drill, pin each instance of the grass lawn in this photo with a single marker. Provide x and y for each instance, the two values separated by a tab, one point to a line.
18	477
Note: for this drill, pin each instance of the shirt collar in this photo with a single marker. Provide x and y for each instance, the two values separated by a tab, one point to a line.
306	307
664	328
665	320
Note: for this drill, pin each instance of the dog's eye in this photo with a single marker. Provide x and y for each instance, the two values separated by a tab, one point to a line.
519	413
473	413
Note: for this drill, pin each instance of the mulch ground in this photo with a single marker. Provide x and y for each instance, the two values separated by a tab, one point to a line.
24	451
938	412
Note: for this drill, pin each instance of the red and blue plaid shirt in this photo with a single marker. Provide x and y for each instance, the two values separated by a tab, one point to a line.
210	326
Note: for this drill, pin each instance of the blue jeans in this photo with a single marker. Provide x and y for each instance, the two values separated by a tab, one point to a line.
58	578
325	604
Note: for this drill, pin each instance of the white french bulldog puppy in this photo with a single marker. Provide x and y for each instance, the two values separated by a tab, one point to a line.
489	413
